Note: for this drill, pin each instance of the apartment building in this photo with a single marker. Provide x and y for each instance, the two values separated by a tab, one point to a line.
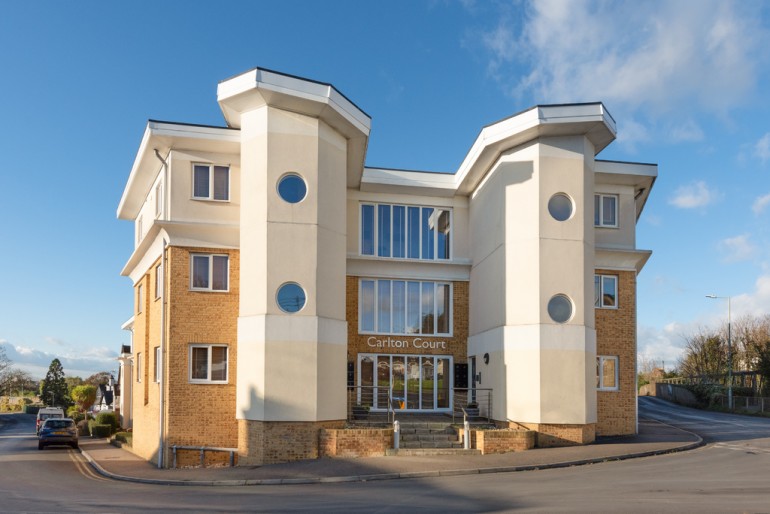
273	270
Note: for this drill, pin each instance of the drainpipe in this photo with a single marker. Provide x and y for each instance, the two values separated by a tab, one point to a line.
161	366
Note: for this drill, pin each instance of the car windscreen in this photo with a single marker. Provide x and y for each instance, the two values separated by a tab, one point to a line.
58	423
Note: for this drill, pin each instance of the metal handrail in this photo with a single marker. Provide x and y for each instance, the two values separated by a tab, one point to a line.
203	450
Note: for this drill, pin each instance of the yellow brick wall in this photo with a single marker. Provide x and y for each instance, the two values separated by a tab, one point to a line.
200	414
146	392
457	345
616	336
273	442
195	414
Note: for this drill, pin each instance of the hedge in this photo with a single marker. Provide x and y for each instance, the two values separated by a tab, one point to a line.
108	418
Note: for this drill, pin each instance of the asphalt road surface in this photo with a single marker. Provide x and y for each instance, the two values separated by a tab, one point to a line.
730	474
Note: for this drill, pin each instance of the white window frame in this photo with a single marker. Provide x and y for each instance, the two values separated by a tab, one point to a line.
600	360
210	197
139	367
138	230
601	291
375	238
158	200
157	364
601	223
376	330
209	353
211	272
139	299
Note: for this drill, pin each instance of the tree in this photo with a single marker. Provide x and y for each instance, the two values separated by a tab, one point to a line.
53	389
5	365
84	397
763	368
100	378
705	354
19	382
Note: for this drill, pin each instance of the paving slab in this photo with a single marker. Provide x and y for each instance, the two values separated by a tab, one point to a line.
654	438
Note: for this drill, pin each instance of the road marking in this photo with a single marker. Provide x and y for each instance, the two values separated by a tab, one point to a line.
742	448
84	468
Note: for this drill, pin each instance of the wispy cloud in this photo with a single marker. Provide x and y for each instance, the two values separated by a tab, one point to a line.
760	204
646	57
762	148
692	196
738	248
688	131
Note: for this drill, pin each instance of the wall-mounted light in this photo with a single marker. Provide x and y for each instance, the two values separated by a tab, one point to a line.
486	358
478	377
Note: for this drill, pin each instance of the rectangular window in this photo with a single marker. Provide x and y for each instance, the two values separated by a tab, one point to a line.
400	231
209	272
157	364
138	230
139	298
208	363
606	373
605	291
158	199
211	182
413	227
383	230
367	230
158	281
138	367
400	307
605	210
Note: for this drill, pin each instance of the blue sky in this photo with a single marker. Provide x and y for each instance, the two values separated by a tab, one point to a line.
686	81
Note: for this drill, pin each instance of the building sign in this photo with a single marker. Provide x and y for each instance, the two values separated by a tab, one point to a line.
417	343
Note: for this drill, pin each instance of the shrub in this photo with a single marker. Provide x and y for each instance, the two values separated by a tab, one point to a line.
100	431
126	438
31	409
75	414
83	427
108	418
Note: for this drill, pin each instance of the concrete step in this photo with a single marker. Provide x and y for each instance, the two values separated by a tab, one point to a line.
422	452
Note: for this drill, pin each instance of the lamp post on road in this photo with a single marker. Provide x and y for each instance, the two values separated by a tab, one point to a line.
729	351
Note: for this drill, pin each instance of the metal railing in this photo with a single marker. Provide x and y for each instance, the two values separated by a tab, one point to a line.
203	450
752	404
472	402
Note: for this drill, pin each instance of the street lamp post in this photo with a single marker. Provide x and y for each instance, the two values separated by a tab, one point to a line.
729	351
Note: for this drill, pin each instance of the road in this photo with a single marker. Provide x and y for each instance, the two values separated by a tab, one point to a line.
729	474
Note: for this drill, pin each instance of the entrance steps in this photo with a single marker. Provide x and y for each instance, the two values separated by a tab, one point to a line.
428	435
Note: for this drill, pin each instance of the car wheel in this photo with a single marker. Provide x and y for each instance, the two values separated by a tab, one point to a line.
40	446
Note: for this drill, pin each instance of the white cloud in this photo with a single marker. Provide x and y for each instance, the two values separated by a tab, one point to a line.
760	204
762	148
738	248
688	131
694	195
757	302
661	345
650	57
76	362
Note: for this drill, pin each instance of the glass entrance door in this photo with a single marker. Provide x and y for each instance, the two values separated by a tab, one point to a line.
415	382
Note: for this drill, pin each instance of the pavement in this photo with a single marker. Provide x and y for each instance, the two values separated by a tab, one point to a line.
654	438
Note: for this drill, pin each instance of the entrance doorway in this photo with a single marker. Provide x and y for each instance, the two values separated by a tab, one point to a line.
415	382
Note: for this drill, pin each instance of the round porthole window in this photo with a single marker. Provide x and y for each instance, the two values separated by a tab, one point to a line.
291	297
560	308
560	207
292	188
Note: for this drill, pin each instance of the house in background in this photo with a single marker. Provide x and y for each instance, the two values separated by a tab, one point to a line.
272	270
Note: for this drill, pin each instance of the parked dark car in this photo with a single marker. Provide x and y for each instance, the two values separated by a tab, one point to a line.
58	431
